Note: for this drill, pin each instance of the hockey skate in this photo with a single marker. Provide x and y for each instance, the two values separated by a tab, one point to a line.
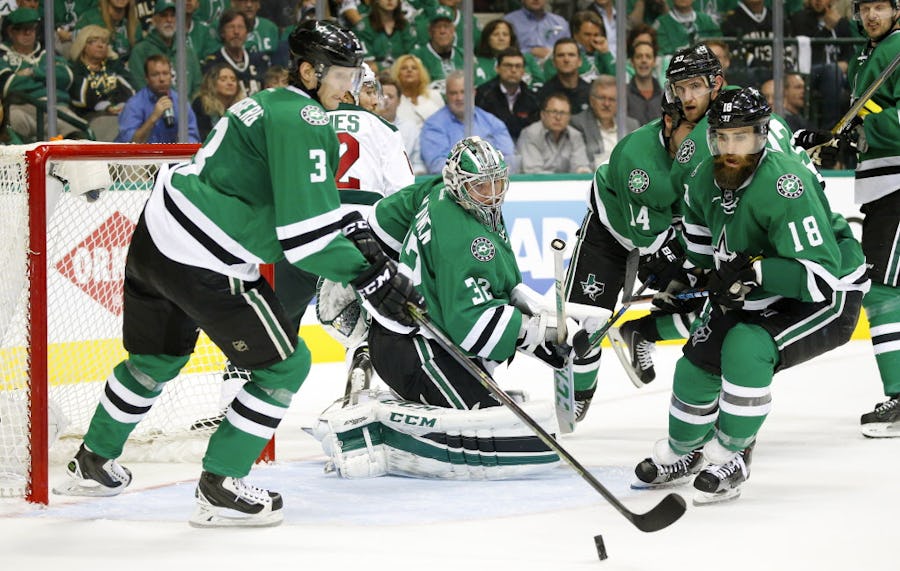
360	376
633	352
884	421
223	501
665	468
93	475
583	403
721	480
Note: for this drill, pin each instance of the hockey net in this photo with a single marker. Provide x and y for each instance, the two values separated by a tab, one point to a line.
61	310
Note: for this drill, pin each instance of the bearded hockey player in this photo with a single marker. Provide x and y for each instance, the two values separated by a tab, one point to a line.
261	189
786	280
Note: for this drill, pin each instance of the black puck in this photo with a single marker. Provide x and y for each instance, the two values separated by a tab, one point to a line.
601	547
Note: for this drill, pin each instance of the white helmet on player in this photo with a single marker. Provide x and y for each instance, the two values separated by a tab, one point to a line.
477	177
367	92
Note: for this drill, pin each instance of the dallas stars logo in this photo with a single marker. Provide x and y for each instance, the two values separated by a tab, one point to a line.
685	151
483	249
789	186
314	115
591	287
638	181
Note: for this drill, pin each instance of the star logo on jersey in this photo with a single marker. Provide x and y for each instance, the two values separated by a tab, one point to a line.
686	151
701	334
789	185
314	115
591	287
638	181
483	249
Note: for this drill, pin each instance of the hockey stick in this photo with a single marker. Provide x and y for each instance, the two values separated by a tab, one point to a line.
582	342
686	294
664	514
563	378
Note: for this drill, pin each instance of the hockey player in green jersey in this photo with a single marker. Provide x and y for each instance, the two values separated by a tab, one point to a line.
260	189
632	205
786	281
874	136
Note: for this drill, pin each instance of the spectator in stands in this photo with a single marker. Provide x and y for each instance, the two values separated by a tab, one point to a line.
567	62
101	85
506	96
439	55
795	102
262	33
276	76
201	37
598	123
445	128
385	33
219	91
283	13
408	131
683	26
767	89
210	11
151	115
646	12
249	67
647	34
452	7
606	9
644	91
120	18
65	16
161	41
418	101
23	72
752	20
498	35
551	145
596	59
537	29
7	135
828	74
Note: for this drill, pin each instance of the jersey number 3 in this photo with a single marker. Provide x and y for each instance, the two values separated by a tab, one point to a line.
349	155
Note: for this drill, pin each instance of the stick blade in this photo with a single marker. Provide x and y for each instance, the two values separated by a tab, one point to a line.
664	514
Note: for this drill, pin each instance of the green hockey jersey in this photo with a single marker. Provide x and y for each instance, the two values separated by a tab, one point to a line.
633	195
465	271
261	188
781	215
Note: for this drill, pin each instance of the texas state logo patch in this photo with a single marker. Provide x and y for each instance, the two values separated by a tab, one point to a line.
789	186
483	249
314	115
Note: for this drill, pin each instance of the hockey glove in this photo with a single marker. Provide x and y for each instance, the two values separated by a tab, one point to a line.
388	291
732	281
537	337
821	143
667	302
663	266
360	233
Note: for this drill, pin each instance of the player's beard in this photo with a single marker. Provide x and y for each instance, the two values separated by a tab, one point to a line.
732	177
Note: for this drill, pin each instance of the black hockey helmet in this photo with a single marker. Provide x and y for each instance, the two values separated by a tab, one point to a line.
734	108
694	61
675	111
323	43
895	4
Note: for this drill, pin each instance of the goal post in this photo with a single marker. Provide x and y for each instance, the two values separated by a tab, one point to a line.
62	253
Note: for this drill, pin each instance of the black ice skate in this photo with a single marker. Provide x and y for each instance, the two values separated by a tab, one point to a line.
633	352
665	468
93	475
884	421
583	403
223	501
359	377
722	482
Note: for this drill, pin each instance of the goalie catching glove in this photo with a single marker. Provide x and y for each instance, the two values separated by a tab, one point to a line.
538	337
382	285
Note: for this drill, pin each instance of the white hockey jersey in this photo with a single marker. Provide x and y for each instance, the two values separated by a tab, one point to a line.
374	162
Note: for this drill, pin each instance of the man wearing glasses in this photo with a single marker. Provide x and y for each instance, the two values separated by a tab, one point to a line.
551	145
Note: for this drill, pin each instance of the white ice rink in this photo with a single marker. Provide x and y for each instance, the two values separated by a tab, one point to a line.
820	497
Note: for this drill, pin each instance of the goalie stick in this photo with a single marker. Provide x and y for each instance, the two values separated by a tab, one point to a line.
662	515
563	378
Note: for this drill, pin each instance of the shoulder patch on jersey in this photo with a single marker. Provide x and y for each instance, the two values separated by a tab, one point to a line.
789	185
638	181
686	151
483	249
314	115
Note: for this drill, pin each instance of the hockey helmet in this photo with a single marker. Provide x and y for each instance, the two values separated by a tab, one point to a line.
477	177
695	61
323	44
739	108
368	83
895	6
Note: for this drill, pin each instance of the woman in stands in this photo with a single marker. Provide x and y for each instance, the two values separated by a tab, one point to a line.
219	91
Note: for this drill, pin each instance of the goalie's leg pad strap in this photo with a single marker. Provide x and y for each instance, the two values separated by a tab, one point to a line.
411	439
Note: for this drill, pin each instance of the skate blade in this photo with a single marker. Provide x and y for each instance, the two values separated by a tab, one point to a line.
621	350
94	490
206	516
639	485
881	430
707	498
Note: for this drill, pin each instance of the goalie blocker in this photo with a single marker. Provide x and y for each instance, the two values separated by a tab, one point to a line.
384	435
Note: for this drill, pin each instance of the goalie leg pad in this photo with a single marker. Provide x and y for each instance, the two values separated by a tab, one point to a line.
390	436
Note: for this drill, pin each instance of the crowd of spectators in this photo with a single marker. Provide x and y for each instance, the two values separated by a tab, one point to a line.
544	74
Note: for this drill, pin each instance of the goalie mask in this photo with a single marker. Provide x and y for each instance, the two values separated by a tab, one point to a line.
737	134
334	53
477	178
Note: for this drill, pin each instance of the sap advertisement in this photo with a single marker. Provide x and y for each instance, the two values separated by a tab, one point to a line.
538	209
